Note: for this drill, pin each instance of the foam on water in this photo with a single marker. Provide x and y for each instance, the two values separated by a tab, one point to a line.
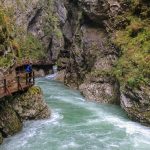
51	76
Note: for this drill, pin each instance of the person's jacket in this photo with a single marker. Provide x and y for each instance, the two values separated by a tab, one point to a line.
28	69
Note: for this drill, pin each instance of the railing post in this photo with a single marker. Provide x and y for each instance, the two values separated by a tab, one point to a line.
33	77
5	84
26	78
18	81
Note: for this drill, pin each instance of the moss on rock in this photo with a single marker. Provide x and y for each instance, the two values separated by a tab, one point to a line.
133	40
6	29
9	121
31	105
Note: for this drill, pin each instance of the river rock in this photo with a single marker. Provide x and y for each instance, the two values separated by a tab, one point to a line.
136	102
1	138
31	105
60	76
101	89
10	122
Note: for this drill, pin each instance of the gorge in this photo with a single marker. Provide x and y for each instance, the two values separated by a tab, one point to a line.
78	124
101	48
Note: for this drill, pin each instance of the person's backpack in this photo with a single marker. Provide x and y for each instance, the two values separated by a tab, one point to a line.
28	68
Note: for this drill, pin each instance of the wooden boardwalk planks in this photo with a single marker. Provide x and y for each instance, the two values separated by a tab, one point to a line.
21	82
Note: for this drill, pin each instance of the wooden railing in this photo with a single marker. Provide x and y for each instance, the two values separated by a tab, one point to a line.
10	85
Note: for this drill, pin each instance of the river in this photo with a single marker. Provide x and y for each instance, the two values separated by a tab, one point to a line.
77	124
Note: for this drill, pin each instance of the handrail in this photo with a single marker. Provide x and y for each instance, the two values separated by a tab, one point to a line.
18	83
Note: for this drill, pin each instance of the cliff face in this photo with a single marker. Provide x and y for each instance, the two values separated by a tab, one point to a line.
92	54
35	33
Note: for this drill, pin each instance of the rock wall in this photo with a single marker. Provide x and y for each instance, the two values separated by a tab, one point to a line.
136	102
10	123
14	110
31	105
92	55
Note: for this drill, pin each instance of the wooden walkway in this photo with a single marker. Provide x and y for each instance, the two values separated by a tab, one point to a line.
10	85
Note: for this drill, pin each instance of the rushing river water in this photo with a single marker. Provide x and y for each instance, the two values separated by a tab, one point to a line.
78	125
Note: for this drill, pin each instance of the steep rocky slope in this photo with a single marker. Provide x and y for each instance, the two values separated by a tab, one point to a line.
132	38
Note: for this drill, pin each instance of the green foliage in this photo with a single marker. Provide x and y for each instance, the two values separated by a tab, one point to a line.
34	90
133	67
6	30
6	61
31	48
52	25
16	44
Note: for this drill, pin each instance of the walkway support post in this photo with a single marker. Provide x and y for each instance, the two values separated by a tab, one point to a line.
18	81
5	85
26	78
33	77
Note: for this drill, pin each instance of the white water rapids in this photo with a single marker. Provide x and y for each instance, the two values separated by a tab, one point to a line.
76	124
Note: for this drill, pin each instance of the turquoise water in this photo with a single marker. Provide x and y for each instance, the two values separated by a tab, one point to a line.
76	124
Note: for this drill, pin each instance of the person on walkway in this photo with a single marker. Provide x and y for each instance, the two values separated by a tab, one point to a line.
28	70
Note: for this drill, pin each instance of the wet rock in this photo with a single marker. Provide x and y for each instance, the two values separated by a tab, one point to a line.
10	122
136	102
31	105
103	90
92	58
61	11
57	44
39	73
95	9
67	31
60	76
26	106
99	10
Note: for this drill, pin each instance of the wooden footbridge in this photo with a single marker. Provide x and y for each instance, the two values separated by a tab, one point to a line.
10	85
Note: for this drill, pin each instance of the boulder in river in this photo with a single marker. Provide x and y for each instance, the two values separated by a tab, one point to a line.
10	122
25	106
136	102
31	105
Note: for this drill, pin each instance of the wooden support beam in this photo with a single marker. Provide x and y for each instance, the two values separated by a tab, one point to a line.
5	85
26	78
33	75
19	84
6	89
